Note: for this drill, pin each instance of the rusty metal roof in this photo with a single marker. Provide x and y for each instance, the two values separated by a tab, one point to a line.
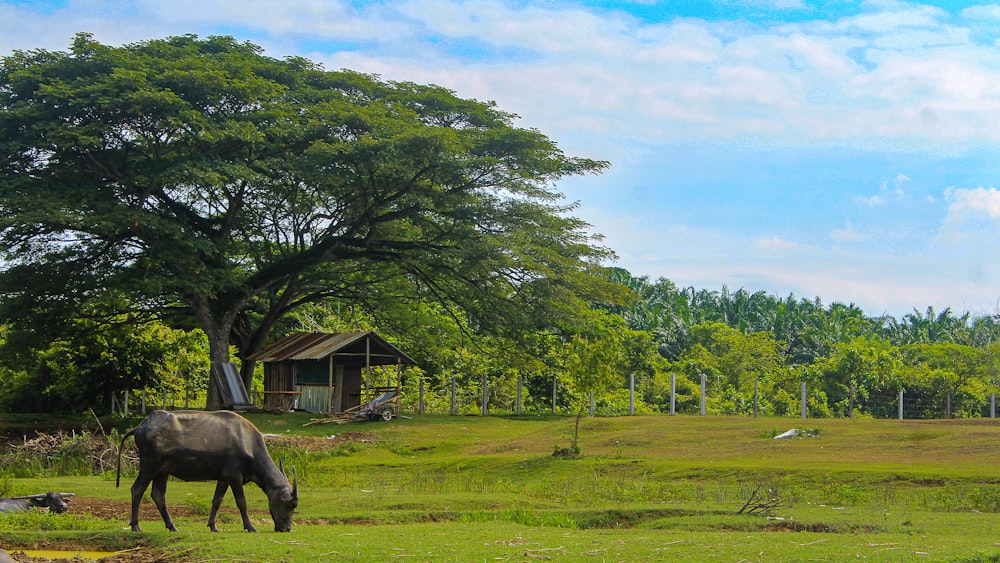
319	345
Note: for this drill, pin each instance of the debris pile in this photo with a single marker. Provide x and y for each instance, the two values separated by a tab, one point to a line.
52	449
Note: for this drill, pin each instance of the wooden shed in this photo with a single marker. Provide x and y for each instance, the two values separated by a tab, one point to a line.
322	372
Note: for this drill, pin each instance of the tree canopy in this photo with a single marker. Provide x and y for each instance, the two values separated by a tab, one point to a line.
221	188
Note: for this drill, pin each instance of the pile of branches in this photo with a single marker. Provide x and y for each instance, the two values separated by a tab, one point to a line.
50	450
760	502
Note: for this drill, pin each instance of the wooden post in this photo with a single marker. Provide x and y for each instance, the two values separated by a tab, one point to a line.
592	404
993	405
368	370
850	405
947	406
329	386
703	394
673	394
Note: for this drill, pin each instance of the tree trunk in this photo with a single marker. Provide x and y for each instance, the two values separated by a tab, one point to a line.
218	333
576	429
218	351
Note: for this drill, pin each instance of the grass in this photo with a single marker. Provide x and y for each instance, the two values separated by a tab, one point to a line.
440	488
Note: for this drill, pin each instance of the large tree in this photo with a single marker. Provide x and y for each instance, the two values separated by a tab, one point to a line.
225	187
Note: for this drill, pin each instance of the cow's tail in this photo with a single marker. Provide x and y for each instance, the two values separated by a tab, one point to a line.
121	446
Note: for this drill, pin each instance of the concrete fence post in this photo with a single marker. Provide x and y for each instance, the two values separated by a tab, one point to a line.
673	393
756	398
420	403
520	383
554	382
631	394
486	395
703	394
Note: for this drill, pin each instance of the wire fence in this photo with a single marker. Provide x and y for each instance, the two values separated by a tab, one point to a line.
886	404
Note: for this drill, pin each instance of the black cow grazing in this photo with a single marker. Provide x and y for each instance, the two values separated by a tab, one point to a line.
208	446
55	502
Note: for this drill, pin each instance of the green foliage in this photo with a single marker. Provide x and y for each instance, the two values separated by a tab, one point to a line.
220	188
97	359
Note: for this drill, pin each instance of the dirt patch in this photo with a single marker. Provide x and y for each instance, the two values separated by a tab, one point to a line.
121	510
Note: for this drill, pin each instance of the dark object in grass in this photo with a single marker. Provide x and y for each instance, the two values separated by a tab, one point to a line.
55	502
572	452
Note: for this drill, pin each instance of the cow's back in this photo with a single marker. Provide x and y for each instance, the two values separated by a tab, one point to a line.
193	445
14	505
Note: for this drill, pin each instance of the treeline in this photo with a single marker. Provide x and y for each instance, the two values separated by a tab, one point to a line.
744	344
739	338
755	350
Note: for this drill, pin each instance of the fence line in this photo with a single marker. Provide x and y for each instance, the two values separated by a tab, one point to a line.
883	404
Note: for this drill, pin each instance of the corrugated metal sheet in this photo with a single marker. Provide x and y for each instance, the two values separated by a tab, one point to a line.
313	398
318	345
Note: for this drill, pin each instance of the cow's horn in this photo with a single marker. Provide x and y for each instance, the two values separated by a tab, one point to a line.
281	467
295	484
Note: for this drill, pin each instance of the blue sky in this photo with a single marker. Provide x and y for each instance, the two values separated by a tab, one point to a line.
846	150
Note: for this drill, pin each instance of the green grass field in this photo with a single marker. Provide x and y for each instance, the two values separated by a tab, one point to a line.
438	488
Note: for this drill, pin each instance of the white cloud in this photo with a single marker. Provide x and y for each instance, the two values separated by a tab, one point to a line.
898	72
872	201
977	201
774	243
847	234
986	12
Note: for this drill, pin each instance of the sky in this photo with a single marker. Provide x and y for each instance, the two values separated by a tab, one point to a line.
843	150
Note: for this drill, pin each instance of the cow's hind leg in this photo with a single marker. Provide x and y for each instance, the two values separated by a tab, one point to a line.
220	491
138	489
159	495
241	503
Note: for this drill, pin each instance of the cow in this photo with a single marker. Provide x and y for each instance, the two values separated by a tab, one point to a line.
55	502
217	446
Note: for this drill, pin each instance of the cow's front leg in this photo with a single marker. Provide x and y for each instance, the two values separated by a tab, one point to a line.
241	503
220	492
159	495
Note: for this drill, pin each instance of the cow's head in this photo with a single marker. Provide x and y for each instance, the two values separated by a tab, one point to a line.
55	502
282	502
